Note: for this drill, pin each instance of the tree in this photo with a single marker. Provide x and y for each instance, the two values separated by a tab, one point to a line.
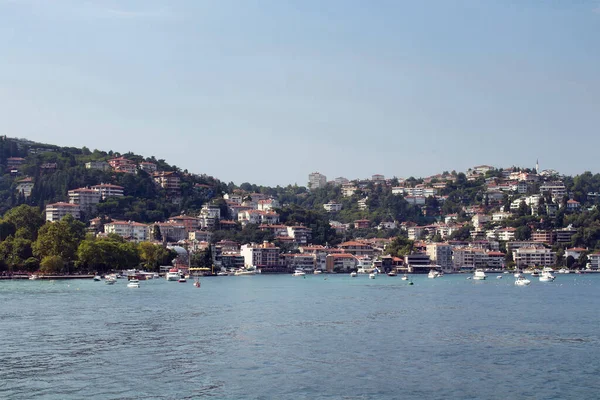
51	265
59	239
152	256
26	219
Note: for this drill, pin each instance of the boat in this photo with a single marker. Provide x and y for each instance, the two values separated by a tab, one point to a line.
404	277
33	277
222	273
244	272
372	276
299	272
353	274
317	272
133	283
433	274
517	274
521	281
97	278
499	277
479	275
110	280
535	272
197	282
173	275
547	276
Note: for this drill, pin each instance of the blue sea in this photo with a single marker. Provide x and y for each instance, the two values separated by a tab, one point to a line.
319	337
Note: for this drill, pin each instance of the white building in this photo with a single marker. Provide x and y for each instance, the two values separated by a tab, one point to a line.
261	256
533	256
556	189
57	211
316	180
267	204
25	186
258	217
129	230
108	190
332	207
85	197
99	165
500	216
441	254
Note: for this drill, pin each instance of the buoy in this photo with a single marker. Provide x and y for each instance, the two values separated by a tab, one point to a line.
410	283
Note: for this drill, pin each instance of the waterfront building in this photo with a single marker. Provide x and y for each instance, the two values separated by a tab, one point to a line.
129	230
534	256
264	255
441	254
340	262
417	263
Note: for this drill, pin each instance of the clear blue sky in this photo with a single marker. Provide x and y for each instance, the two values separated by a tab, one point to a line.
269	91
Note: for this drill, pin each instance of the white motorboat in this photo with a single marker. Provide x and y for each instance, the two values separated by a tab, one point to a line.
479	275
392	273
535	272
404	277
222	273
372	276
173	275
97	278
299	272
433	274
353	274
33	277
521	281
518	274
133	283
244	272
499	277
181	280
317	272
110	280
546	276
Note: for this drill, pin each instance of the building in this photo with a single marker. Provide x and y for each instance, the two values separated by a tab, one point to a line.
25	186
148	167
378	178
98	165
349	189
340	262
316	180
533	256
169	181
190	223
574	252
86	198
262	256
258	217
14	162
200	236
129	230
171	231
340	181
594	261
57	211
546	237
417	263
555	189
332	207
573	205
362	224
506	234
108	190
564	235
267	204
441	254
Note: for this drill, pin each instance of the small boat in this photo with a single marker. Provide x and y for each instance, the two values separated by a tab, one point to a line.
197	283
479	275
410	283
317	272
353	274
222	273
299	272
518	275
521	281
535	272
173	275
391	273
110	281
33	277
404	277
547	276
433	274
245	272
505	272
181	279
372	276
133	283
97	278
499	277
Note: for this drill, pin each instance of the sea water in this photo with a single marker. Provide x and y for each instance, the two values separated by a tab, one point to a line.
318	337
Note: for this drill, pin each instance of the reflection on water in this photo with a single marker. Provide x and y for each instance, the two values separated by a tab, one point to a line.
266	337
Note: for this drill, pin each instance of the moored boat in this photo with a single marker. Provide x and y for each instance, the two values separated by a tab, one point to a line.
173	275
33	277
317	272
299	272
433	274
521	281
372	276
353	274
479	275
404	277
97	278
133	283
547	276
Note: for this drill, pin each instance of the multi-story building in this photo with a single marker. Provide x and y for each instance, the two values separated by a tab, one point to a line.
129	230
267	204
357	248
417	263
564	235
546	237
264	255
98	165
57	211
340	181
594	260
441	254
332	206
555	189
362	224
86	198
533	256
506	234
348	189
200	236
340	262
258	217
172	231
108	190
378	178
190	223
14	162
501	216
25	186
298	261
148	167
169	181
316	180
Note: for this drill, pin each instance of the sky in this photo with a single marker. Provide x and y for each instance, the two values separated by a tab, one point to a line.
269	91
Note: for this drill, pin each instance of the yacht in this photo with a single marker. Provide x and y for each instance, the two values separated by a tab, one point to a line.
110	280
182	279
433	274
299	272
317	272
521	281
372	276
499	277
33	277
244	272
479	275
353	274
97	278
404	277
517	274
173	275
133	283
535	272
547	276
